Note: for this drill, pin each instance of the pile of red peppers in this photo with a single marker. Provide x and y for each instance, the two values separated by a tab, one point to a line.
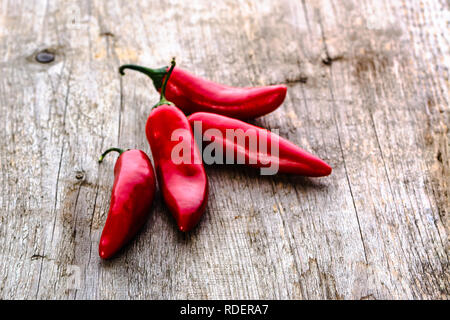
184	184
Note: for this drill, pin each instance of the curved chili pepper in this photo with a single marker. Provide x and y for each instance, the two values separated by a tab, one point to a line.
184	184
131	199
290	159
193	94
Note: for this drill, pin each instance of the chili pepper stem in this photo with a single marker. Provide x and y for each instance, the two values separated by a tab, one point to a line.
148	71
120	151
163	99
157	75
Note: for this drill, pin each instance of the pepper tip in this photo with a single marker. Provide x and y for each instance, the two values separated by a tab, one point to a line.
184	228
103	255
326	170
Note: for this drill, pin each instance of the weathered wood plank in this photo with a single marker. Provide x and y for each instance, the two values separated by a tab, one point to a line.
368	92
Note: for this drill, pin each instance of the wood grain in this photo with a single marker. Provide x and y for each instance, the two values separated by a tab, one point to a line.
368	92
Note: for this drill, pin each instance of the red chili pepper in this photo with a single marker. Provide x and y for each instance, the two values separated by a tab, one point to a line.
193	94
184	184
290	159
131	200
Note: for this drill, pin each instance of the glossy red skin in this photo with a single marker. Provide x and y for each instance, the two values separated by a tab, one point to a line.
131	199
184	186
291	159
194	94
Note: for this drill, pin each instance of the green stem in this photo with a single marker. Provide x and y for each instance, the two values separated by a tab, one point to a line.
120	151
163	99
157	75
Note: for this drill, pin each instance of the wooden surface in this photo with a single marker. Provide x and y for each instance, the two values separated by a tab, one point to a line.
368	92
